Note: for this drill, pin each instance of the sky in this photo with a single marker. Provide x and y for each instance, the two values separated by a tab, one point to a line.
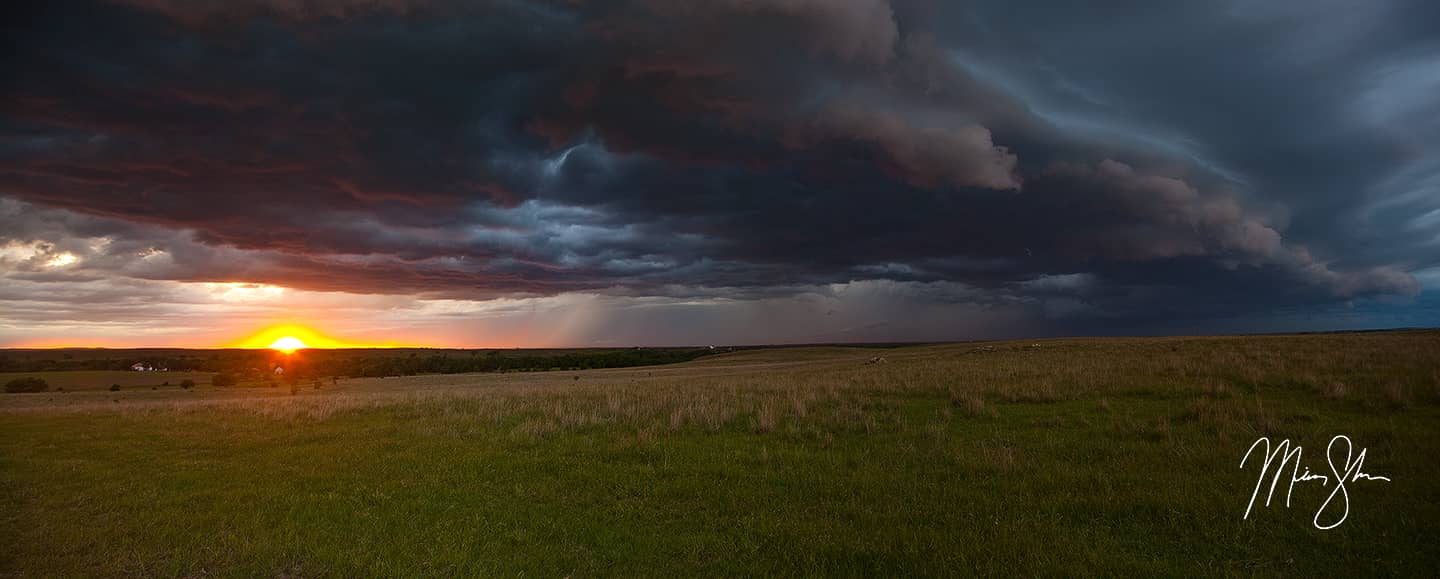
529	173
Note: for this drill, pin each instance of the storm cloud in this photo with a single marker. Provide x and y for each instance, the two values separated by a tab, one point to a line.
1043	167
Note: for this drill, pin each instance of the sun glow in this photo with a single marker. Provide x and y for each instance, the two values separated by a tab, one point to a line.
288	344
61	260
289	338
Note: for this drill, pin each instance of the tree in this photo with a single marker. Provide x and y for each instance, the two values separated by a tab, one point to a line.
27	384
114	387
223	379
187	384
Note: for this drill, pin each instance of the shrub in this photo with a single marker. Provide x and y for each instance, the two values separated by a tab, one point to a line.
114	387
223	379
187	384
27	384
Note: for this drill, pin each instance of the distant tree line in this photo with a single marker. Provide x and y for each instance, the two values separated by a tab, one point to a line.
113	361
495	362
313	364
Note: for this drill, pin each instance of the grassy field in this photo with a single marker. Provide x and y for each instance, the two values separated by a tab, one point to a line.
1062	457
103	379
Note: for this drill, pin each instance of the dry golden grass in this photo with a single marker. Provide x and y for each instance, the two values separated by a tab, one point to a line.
767	389
1080	456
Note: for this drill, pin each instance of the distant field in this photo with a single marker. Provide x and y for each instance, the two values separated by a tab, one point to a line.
103	379
1059	457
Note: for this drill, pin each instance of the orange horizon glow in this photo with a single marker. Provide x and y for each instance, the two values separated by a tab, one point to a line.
291	337
263	340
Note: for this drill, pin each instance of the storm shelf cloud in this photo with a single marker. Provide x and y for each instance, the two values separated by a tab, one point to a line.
656	171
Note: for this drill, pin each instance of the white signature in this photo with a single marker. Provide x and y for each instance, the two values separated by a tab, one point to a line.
1285	452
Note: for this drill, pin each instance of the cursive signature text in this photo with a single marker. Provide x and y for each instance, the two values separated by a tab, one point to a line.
1341	472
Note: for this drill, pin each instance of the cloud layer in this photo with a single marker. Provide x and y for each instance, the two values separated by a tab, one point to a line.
1242	163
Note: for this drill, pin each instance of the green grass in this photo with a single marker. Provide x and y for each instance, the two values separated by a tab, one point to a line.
1113	457
102	379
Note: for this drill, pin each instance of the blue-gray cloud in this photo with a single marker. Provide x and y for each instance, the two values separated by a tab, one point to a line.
1182	162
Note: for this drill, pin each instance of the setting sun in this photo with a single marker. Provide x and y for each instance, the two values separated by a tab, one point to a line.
288	344
289	338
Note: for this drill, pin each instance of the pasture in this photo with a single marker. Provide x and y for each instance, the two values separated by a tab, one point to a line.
103	379
1056	457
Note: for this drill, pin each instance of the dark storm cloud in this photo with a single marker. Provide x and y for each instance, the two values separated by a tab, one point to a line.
1128	163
